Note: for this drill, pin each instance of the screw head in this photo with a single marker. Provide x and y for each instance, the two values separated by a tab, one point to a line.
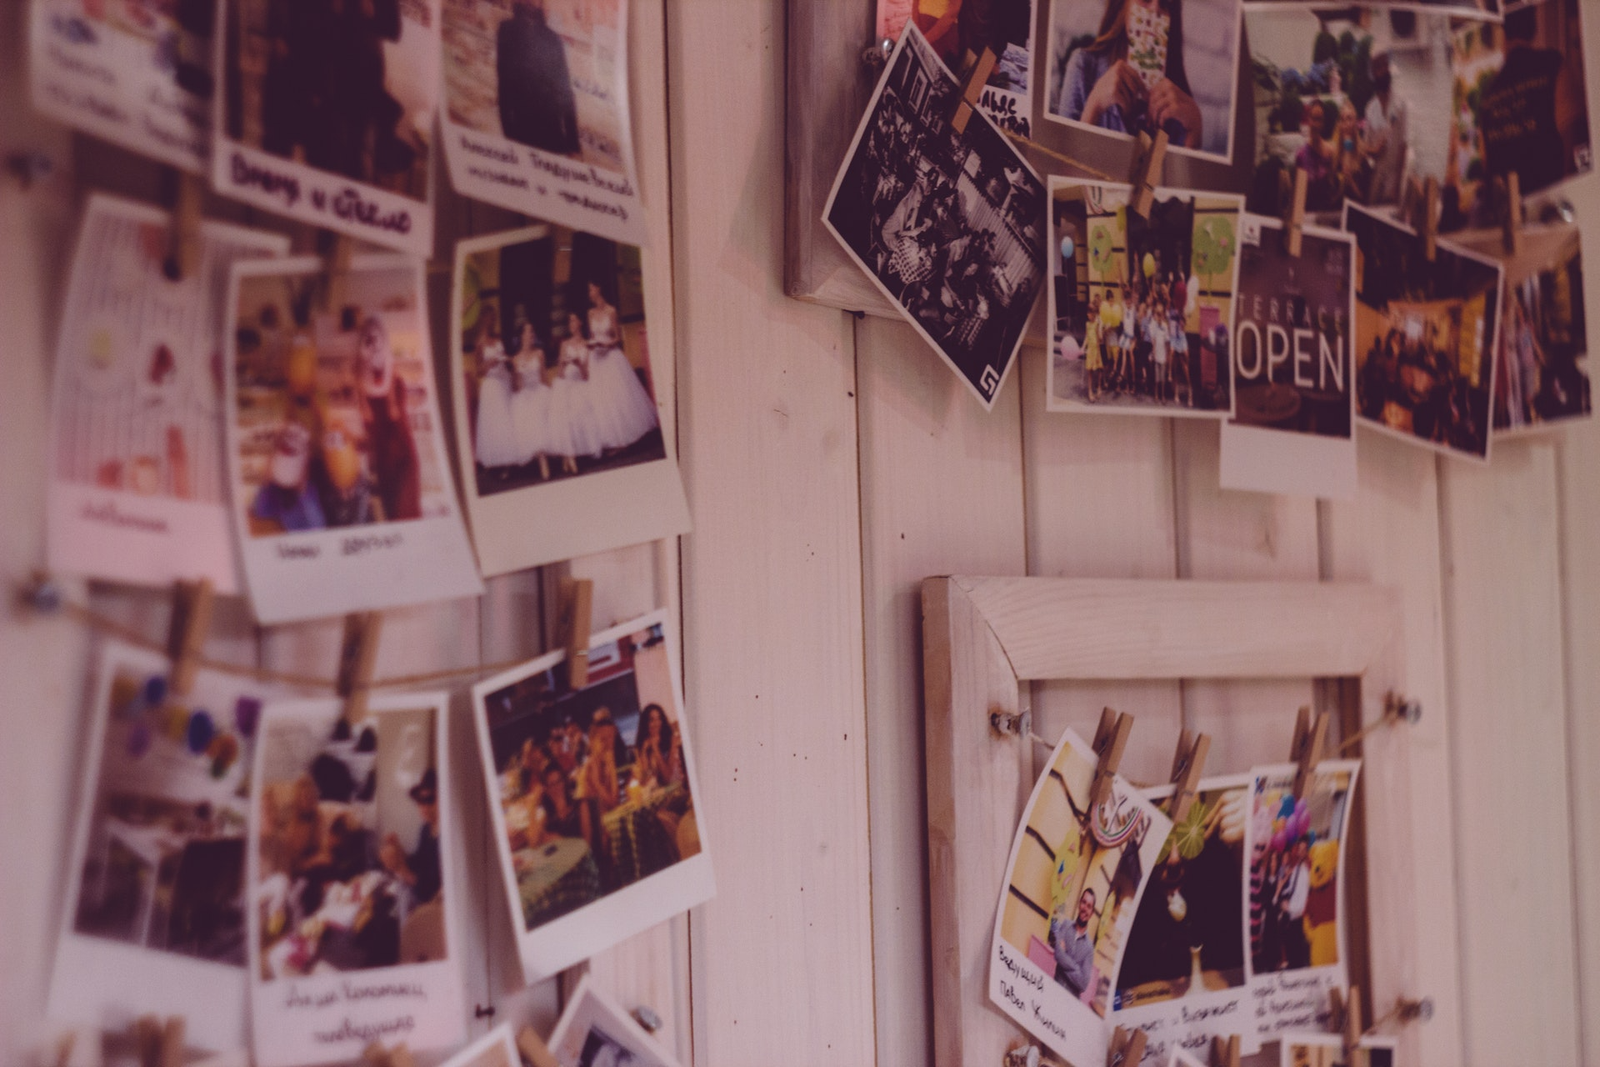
43	595
646	1017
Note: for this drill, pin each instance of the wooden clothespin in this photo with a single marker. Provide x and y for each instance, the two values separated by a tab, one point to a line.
1126	1048
358	655
1187	764
159	1042
1225	1053
1430	220
191	618
1306	751
375	1055
1148	159
977	76
534	1050
1346	1019
572	624
182	257
1110	738
1294	221
1513	214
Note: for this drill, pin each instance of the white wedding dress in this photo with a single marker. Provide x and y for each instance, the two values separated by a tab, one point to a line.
572	403
531	409
496	442
624	409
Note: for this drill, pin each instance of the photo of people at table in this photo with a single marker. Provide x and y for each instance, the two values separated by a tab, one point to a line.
164	860
556	360
349	861
593	783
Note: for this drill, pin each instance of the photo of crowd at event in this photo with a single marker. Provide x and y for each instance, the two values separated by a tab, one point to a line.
1143	305
950	224
593	784
345	86
349	851
1425	336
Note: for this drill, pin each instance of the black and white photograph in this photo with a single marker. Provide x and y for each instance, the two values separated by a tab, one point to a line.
594	1031
960	30
558	430
535	113
325	113
949	226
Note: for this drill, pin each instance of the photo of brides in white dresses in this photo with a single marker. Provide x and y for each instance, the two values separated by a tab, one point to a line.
555	360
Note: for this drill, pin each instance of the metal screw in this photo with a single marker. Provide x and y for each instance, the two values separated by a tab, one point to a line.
481	1012
1411	711
29	167
1025	1056
1417	1009
647	1018
43	595
875	56
1004	722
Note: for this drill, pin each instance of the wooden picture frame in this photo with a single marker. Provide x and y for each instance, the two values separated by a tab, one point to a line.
983	637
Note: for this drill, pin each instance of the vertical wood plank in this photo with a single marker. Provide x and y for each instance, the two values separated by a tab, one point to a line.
1389	535
1100	505
924	445
772	574
1502	610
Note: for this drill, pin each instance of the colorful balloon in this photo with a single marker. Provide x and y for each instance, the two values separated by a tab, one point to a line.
138	739
200	731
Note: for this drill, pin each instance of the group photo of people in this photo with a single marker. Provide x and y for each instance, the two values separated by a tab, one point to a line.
1296	850
349	857
1142	307
592	783
1127	67
555	359
345	86
951	225
334	412
1425	336
547	74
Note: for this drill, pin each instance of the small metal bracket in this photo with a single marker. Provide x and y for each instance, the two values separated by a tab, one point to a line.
1022	1056
876	55
646	1017
1415	1010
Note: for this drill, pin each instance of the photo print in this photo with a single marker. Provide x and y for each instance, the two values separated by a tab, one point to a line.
138	480
1293	428
135	73
959	31
1074	883
1141	310
351	887
497	1048
1182	979
594	1031
342	497
536	111
326	114
156	902
949	226
1542	377
557	429
1295	906
1479	9
592	792
1426	336
1180	1058
1347	94
1126	67
1327	1050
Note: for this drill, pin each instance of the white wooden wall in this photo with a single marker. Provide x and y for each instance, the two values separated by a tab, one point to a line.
831	464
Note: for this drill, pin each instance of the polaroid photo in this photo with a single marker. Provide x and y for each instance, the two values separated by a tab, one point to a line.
138	485
594	1031
156	901
1295	907
497	1048
949	226
1541	380
1126	67
342	498
536	111
134	73
1074	882
352	894
1141	311
1293	427
959	31
1426	336
1327	1050
1474	9
592	793
1180	1058
558	433
1182	979
326	114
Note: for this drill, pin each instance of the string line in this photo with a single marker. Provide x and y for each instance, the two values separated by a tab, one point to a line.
1093	172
